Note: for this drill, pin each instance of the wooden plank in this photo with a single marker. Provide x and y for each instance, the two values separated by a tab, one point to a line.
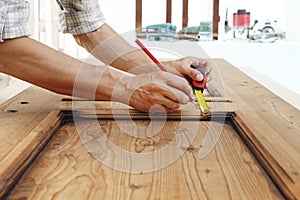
228	172
277	88
271	124
138	15
21	114
169	11
27	122
216	19
15	163
271	165
185	13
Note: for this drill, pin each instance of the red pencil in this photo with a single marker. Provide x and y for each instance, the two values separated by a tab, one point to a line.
150	55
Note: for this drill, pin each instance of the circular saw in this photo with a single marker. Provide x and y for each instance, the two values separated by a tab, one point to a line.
266	31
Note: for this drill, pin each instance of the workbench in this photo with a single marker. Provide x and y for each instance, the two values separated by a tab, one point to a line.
60	147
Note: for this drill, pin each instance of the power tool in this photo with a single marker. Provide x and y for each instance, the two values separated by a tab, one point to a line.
266	31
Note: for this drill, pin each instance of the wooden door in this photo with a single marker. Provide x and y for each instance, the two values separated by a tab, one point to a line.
247	149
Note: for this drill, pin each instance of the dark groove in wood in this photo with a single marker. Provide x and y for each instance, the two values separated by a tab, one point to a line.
215	116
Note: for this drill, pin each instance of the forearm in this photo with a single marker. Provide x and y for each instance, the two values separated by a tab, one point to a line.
109	47
36	63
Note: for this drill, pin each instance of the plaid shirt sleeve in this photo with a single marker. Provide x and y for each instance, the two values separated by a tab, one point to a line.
76	17
80	16
14	16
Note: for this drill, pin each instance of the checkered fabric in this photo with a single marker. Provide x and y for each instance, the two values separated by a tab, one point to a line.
80	16
14	15
76	17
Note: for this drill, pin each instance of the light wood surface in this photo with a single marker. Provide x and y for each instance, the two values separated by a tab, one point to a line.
228	172
271	124
251	167
26	125
281	91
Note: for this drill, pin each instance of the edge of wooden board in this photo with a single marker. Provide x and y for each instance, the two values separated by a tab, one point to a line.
280	177
15	164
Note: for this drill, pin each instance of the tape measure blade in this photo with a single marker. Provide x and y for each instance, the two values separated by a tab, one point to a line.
201	101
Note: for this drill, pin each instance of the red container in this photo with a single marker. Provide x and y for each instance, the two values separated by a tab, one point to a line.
241	19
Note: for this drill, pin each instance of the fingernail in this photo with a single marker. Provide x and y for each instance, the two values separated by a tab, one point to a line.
199	77
186	100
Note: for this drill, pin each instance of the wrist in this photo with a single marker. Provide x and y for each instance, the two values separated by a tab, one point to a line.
112	86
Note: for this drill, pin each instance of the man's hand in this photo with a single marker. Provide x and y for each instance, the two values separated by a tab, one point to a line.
181	67
146	91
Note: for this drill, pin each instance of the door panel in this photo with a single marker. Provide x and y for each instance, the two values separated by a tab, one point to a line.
66	169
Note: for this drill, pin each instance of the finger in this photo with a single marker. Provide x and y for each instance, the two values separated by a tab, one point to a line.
178	83
179	96
165	99
144	101
199	61
182	98
171	94
191	73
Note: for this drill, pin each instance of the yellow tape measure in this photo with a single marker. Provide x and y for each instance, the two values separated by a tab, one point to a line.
201	101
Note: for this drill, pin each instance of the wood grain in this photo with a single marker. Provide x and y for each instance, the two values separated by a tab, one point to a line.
266	123
271	125
228	172
138	15
21	114
185	13
26	124
216	19
169	11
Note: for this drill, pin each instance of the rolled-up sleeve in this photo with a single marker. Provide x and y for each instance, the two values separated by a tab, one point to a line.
80	16
14	17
